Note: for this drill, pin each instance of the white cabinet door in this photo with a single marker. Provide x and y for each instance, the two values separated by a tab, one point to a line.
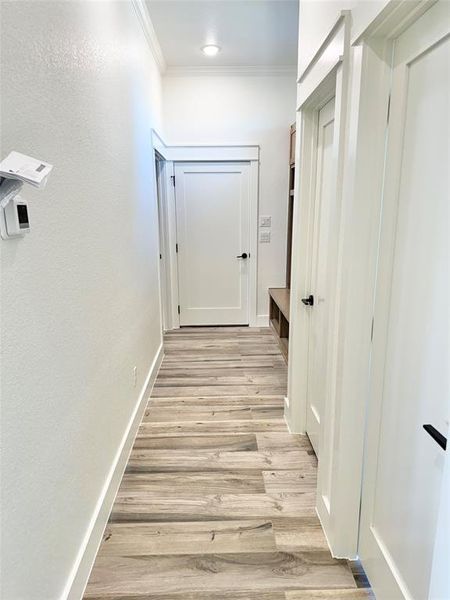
409	379
213	203
321	273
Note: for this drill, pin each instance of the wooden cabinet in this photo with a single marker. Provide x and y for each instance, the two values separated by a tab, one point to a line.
280	297
279	316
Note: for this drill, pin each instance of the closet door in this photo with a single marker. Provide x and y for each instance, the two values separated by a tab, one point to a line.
213	229
409	380
322	273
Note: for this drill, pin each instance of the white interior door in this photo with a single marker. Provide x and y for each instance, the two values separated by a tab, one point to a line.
409	379
321	273
213	206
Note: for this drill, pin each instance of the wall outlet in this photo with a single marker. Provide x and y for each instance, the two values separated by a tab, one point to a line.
134	376
265	221
264	237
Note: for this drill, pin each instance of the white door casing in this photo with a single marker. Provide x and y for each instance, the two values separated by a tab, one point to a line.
322	272
409	381
213	230
162	228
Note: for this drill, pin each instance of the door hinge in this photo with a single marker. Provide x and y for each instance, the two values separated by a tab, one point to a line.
179	310
388	110
160	256
371	329
176	248
172	177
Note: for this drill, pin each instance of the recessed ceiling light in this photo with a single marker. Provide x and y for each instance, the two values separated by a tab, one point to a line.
211	50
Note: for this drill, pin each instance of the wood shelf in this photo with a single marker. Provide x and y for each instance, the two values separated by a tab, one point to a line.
279	316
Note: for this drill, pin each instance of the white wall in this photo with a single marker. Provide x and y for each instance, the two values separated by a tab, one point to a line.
80	301
235	109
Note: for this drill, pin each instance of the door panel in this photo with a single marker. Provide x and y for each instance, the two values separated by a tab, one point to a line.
321	271
409	381
213	230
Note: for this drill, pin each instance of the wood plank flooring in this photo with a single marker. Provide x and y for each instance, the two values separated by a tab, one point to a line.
217	502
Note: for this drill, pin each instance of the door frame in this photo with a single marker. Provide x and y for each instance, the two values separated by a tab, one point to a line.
385	263
164	288
329	74
204	153
362	80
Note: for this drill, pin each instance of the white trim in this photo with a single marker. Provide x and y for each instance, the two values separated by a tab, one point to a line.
240	71
150	34
158	143
86	556
261	321
212	153
253	241
325	62
204	152
393	19
172	262
324	46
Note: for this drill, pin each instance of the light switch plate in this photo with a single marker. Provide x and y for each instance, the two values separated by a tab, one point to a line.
264	237
265	221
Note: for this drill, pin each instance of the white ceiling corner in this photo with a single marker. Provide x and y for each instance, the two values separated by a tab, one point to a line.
150	33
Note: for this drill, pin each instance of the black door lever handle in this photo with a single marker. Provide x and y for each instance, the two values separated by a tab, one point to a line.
436	435
243	255
309	301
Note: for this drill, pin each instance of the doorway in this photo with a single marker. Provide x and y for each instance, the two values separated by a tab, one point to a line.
213	242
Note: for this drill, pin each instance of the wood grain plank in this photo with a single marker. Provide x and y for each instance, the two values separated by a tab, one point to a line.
215	482
212	427
282	439
155	461
218	401
200	537
350	594
290	481
232	443
149	506
216	572
218	390
198	595
299	534
207	412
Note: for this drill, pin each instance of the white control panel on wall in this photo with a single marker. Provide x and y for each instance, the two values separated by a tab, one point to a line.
15	170
265	222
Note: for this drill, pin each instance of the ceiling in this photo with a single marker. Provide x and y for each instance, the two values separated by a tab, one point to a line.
251	33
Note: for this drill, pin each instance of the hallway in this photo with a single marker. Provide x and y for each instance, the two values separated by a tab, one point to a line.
217	501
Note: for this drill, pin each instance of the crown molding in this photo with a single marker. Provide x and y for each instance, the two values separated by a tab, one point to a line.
150	34
246	71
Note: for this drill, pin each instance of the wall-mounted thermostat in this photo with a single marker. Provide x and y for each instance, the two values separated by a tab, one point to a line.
15	170
16	217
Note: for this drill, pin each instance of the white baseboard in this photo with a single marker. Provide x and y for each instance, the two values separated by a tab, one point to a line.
262	321
76	584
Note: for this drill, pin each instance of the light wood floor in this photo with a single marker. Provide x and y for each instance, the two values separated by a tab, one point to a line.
217	502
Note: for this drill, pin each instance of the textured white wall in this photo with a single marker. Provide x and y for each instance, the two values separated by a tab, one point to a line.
80	301
242	110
